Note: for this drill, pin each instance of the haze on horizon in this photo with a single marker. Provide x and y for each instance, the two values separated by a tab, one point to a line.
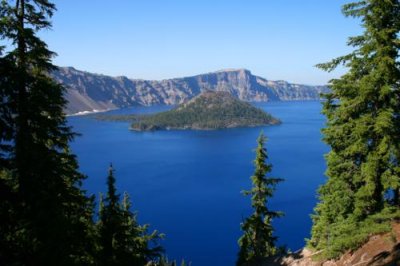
156	39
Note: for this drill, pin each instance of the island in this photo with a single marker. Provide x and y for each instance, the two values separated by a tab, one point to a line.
209	110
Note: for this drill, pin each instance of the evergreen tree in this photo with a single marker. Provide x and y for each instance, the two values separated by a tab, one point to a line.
110	221
363	124
258	242
122	240
51	218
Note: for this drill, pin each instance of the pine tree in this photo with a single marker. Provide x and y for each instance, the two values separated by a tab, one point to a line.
258	242
122	240
51	216
363	112
110	221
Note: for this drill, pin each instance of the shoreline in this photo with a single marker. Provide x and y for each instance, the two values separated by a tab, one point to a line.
94	111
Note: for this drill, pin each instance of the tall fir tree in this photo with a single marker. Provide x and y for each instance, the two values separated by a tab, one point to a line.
51	218
258	242
122	241
110	221
363	129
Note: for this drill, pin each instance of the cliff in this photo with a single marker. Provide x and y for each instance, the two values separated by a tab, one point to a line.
90	92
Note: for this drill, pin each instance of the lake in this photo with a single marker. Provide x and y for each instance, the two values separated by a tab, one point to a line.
187	184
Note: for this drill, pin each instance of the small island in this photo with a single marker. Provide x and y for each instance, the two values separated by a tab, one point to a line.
210	110
207	111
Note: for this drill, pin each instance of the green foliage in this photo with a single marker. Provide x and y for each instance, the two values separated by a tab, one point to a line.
363	112
48	217
258	242
165	262
350	235
45	216
210	110
122	241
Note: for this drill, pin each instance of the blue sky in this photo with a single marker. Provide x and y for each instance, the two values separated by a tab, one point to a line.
157	39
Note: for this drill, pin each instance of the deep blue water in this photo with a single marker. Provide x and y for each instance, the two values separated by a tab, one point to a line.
187	184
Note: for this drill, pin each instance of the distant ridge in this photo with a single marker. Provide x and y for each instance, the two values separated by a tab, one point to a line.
87	92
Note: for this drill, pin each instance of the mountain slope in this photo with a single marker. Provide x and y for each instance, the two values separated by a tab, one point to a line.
379	250
209	110
89	92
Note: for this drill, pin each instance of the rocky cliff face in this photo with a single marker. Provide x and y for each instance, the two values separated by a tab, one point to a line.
91	92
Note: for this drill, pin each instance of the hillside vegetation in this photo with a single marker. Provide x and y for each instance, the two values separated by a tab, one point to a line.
210	110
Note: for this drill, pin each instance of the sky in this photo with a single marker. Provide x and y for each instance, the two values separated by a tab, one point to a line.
160	39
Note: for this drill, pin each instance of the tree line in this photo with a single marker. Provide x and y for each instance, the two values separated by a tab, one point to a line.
46	218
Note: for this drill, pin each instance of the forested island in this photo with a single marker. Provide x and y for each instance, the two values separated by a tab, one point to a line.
48	218
210	110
